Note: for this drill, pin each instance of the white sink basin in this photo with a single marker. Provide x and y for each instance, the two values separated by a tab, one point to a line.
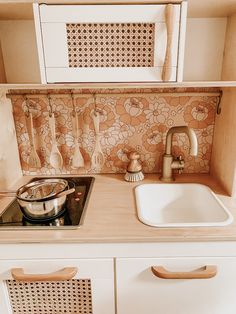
180	205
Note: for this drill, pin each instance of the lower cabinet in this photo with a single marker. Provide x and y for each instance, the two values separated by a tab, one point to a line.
167	285
84	286
200	285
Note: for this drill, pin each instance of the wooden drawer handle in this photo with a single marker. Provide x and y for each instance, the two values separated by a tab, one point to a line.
167	67
204	272
63	274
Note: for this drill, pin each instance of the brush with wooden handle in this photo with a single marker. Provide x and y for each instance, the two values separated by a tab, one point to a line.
134	170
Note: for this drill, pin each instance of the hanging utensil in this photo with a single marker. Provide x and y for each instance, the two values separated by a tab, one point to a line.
55	159
77	158
33	159
97	159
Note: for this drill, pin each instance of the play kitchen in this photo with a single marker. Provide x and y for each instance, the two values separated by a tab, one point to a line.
122	175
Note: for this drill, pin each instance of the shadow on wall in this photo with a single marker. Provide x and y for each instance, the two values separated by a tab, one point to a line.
10	170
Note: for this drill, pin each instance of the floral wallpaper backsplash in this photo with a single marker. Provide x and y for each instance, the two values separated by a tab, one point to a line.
127	122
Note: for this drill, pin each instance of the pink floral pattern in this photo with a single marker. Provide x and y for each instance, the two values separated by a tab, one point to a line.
131	120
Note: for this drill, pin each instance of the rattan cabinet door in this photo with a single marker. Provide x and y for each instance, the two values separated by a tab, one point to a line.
90	291
110	43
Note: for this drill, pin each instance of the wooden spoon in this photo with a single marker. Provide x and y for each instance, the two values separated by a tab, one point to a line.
33	159
55	159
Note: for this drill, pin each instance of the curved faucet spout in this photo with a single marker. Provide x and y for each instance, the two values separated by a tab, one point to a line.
193	149
169	162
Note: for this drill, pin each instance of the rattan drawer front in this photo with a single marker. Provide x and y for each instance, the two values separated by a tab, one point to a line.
51	297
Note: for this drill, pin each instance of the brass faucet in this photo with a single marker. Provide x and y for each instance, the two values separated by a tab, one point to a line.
169	162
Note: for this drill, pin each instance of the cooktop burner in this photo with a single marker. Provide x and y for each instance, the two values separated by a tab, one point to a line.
71	217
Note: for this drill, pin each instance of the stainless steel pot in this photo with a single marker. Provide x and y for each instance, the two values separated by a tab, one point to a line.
43	198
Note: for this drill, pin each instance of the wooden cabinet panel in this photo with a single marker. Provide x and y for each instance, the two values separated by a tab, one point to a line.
2	68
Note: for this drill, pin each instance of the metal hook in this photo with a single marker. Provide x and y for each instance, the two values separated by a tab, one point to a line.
73	103
134	102
50	105
27	112
97	110
75	110
218	108
95	101
95	105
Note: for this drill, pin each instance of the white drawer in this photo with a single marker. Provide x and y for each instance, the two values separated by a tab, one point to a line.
140	291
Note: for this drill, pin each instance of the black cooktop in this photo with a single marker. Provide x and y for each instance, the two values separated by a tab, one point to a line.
71	217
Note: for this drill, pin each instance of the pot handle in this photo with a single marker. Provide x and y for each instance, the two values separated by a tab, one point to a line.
66	273
14	194
8	193
64	193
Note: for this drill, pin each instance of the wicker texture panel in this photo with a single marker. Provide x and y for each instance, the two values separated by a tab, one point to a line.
54	297
111	45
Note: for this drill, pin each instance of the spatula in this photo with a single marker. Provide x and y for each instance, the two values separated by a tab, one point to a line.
33	159
97	156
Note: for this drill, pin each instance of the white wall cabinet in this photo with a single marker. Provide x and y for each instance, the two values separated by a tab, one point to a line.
139	291
91	291
110	43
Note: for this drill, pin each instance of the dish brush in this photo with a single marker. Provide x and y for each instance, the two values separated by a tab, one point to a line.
134	170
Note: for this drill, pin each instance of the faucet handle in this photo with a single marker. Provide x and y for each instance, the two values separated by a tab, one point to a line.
181	164
179	158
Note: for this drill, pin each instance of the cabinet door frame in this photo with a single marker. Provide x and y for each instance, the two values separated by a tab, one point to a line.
99	271
55	17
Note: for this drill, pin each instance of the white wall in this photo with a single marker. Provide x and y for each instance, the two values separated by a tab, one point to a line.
19	51
10	170
204	49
